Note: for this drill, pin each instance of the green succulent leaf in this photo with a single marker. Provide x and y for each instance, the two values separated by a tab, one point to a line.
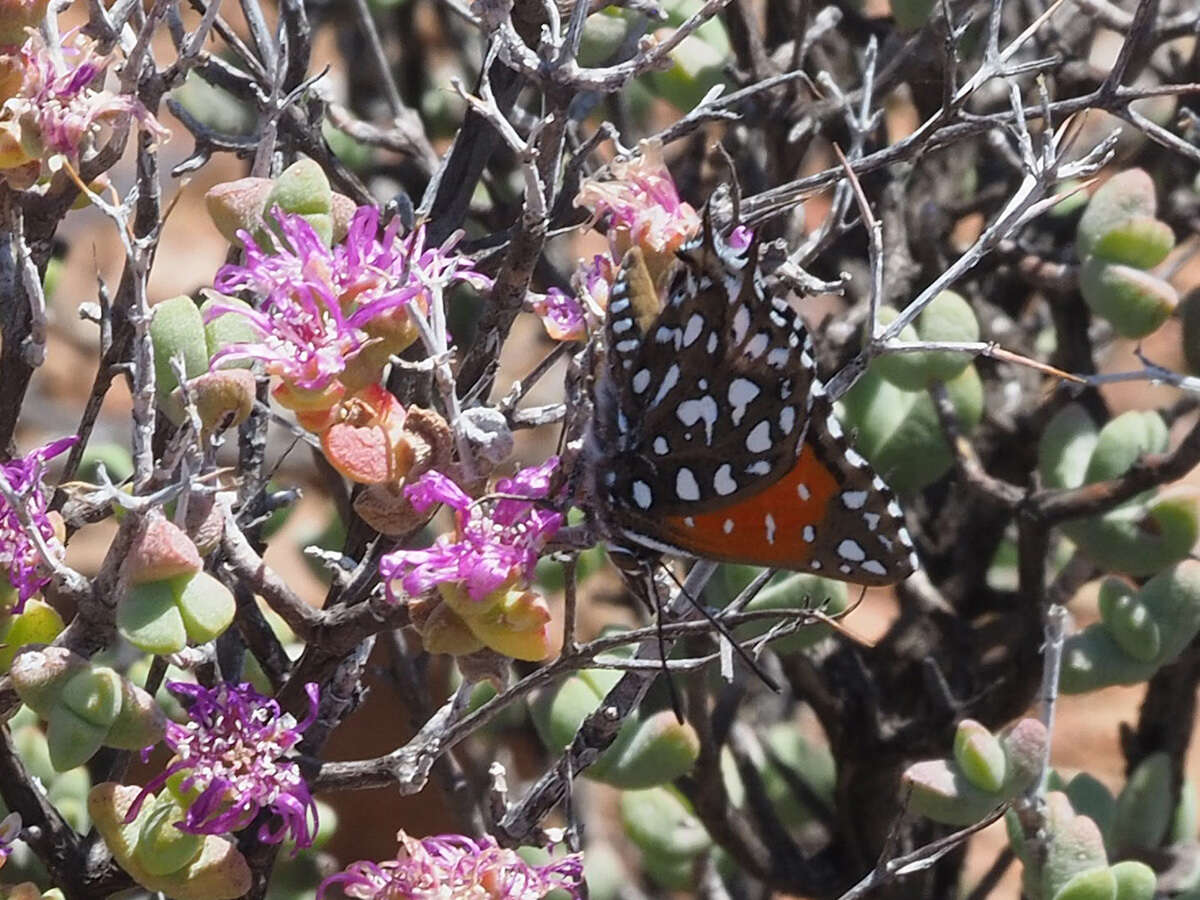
176	330
206	606
1135	880
161	847
217	872
948	317
303	188
72	739
1097	884
149	618
899	431
1093	658
980	756
1144	808
1136	303
1139	241
1089	797
38	623
1127	195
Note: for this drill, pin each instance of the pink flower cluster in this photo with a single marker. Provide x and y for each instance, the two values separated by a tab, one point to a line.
489	549
643	209
56	108
18	553
455	867
319	301
233	753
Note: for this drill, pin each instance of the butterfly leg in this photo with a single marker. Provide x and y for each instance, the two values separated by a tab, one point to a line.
637	570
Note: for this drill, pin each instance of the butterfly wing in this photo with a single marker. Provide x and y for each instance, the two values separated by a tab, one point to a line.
721	441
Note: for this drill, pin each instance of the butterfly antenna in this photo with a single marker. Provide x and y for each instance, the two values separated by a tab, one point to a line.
726	634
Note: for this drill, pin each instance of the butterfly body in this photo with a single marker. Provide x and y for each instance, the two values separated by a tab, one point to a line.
712	435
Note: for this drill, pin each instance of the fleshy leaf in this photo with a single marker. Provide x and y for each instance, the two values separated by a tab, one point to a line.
1136	303
38	623
1127	195
206	606
980	756
176	330
219	872
947	318
1144	810
149	618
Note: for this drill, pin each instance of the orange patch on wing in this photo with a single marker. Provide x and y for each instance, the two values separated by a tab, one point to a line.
742	531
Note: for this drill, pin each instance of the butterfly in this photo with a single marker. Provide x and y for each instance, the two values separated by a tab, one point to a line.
712	435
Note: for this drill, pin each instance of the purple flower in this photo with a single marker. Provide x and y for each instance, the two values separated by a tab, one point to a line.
562	315
10	830
642	203
232	752
454	867
318	303
56	109
487	550
18	553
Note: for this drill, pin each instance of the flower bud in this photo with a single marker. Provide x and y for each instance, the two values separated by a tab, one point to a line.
441	630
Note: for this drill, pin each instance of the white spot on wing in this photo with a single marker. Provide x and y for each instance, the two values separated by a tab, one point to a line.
777	358
809	534
803	491
622	325
728	526
685	484
642	495
691	333
850	550
769	522
689	412
854	499
669	381
741	392
759	438
762	467
661	447
641	381
872	520
723	482
757	345
874	567
741	323
787	419
628	345
712	342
